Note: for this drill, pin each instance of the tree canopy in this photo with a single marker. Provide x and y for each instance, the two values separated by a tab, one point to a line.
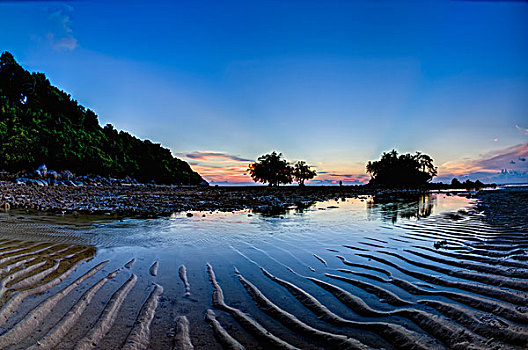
274	170
302	172
271	169
401	170
41	124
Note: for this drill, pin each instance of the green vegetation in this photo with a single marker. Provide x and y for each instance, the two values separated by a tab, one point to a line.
403	170
41	124
273	170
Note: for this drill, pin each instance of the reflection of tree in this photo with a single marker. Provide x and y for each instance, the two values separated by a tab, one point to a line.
274	211
390	208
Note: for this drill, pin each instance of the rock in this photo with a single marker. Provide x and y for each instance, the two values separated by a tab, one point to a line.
189	215
52	175
66	176
42	171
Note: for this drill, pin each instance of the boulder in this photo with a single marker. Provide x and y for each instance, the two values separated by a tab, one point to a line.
66	176
42	171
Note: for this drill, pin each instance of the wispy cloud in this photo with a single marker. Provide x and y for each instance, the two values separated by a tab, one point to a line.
218	167
214	156
521	129
61	35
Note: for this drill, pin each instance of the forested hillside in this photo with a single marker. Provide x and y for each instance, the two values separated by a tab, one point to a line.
41	124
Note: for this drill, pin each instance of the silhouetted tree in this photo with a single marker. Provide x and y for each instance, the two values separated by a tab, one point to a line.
405	169
271	169
455	183
302	172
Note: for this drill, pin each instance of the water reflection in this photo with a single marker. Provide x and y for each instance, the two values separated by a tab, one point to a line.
391	208
275	211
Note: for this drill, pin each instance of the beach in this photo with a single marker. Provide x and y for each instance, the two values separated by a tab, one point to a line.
434	272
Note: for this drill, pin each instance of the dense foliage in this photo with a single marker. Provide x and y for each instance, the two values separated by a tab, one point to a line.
41	124
403	170
273	170
302	172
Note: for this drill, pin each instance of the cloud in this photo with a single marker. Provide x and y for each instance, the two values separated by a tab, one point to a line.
219	167
225	168
498	166
521	129
61	35
498	159
213	156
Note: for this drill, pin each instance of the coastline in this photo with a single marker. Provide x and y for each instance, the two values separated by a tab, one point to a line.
160	200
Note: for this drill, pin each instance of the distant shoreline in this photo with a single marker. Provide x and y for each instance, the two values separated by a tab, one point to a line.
160	200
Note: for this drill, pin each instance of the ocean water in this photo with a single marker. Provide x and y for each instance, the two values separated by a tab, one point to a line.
422	272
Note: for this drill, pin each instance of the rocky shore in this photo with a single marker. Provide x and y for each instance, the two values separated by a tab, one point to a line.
507	208
158	200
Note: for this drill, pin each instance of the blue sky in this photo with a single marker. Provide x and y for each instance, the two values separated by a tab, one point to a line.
333	83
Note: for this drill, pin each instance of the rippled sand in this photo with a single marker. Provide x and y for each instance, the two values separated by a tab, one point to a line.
352	274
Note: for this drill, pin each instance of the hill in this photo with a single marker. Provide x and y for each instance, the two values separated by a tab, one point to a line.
41	124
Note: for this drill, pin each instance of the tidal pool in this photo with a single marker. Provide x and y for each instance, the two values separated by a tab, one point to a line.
423	272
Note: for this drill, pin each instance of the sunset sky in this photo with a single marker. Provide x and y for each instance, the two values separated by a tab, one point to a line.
329	82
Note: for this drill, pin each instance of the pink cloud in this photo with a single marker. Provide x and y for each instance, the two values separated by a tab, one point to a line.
220	167
506	165
523	130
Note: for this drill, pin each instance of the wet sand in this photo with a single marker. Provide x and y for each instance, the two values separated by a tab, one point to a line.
341	275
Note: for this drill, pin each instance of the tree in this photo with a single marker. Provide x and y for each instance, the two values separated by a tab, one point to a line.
455	183
271	169
405	169
302	172
41	124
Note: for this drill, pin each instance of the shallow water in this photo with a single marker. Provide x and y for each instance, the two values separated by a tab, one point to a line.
423	272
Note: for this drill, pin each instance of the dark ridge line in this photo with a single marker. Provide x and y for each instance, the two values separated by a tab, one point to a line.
456	313
372	245
12	304
363	266
139	336
491	306
63	326
475	267
393	333
337	341
469	256
129	264
355	248
224	338
249	324
381	293
467	275
320	259
376	240
107	317
485	290
33	318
